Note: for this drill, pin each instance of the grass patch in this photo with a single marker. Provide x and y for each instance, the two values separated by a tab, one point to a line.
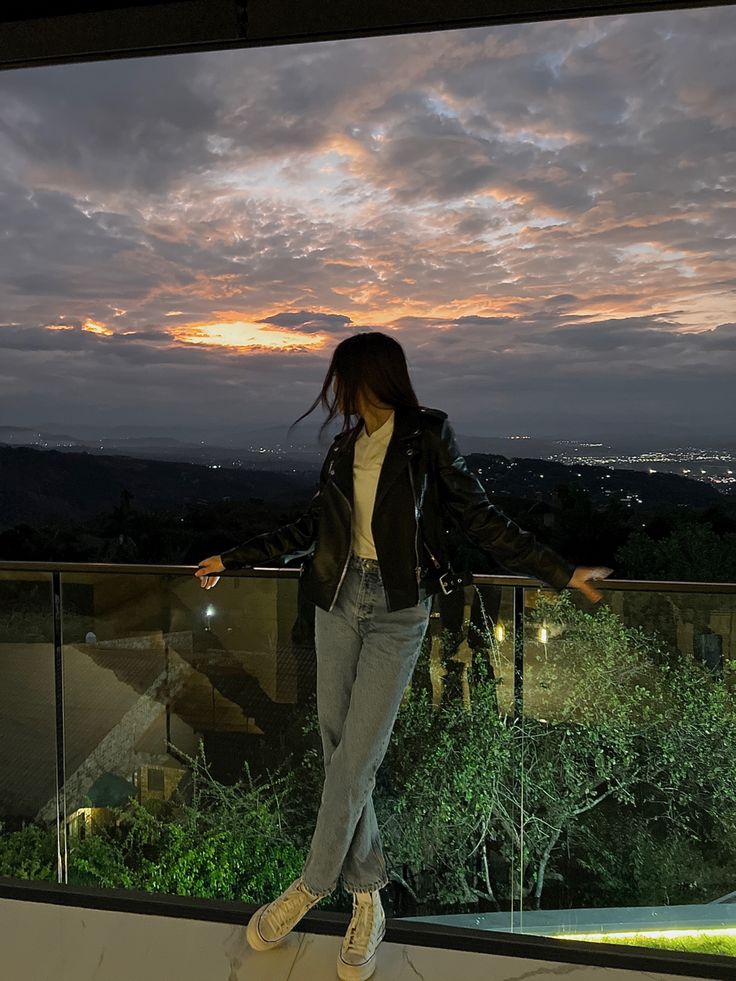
701	943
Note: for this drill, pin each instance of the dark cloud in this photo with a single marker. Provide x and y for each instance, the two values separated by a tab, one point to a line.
308	322
540	213
110	126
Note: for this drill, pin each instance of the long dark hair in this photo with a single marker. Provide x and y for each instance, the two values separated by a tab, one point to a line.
373	362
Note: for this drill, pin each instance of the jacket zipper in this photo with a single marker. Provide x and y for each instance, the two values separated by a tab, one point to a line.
437	564
416	521
345	567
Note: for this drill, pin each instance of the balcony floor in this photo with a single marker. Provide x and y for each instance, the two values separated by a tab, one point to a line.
47	942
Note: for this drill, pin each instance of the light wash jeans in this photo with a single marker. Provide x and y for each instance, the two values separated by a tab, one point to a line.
365	659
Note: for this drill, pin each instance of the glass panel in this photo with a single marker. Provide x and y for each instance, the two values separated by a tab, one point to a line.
629	770
194	765
183	708
444	795
194	761
28	833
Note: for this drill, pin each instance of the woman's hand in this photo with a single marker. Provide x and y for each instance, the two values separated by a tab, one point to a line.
205	571
582	574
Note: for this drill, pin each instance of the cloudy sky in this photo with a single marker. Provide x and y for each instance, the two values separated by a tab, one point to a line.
542	214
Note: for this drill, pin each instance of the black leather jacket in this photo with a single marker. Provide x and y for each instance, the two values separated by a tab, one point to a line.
424	483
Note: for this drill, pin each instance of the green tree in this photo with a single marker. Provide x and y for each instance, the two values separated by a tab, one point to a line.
610	712
691	552
230	842
614	712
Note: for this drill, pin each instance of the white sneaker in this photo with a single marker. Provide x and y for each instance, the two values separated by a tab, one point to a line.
357	957
273	921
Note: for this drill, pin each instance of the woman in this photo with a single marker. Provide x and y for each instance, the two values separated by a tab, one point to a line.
373	540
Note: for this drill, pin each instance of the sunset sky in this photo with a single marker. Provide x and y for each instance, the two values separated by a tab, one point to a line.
542	214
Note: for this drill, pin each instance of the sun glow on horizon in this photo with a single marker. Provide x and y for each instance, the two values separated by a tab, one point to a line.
242	334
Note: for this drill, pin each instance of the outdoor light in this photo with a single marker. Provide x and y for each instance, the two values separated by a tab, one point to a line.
543	634
209	612
500	632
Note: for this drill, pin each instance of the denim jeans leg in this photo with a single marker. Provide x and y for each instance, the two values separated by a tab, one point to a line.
337	643
364	862
365	659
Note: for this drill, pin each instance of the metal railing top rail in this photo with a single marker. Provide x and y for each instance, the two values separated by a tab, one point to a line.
267	572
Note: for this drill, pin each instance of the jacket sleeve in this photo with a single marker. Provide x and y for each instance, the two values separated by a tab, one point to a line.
464	497
295	537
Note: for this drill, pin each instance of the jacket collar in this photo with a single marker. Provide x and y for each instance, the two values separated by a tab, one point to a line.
407	427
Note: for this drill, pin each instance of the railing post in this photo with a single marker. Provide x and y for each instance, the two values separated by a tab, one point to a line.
61	841
518	651
517	867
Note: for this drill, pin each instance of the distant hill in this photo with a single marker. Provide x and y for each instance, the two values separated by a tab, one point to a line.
524	477
44	485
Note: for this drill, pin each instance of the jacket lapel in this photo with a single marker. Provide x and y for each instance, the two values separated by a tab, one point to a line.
406	428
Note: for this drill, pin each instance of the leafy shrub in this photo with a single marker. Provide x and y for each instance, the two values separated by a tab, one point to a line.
29	853
231	842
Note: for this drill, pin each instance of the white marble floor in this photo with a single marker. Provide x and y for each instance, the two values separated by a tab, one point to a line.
45	942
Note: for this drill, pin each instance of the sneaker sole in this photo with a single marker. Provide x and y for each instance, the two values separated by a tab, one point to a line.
253	934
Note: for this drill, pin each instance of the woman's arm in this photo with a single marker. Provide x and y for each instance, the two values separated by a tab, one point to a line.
487	526
295	537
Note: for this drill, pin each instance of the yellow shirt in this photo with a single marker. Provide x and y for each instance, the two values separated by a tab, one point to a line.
367	463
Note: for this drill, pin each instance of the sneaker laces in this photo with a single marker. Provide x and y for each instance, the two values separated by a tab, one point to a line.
361	923
282	912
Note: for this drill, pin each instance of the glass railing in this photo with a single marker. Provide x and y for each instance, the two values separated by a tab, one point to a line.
556	768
